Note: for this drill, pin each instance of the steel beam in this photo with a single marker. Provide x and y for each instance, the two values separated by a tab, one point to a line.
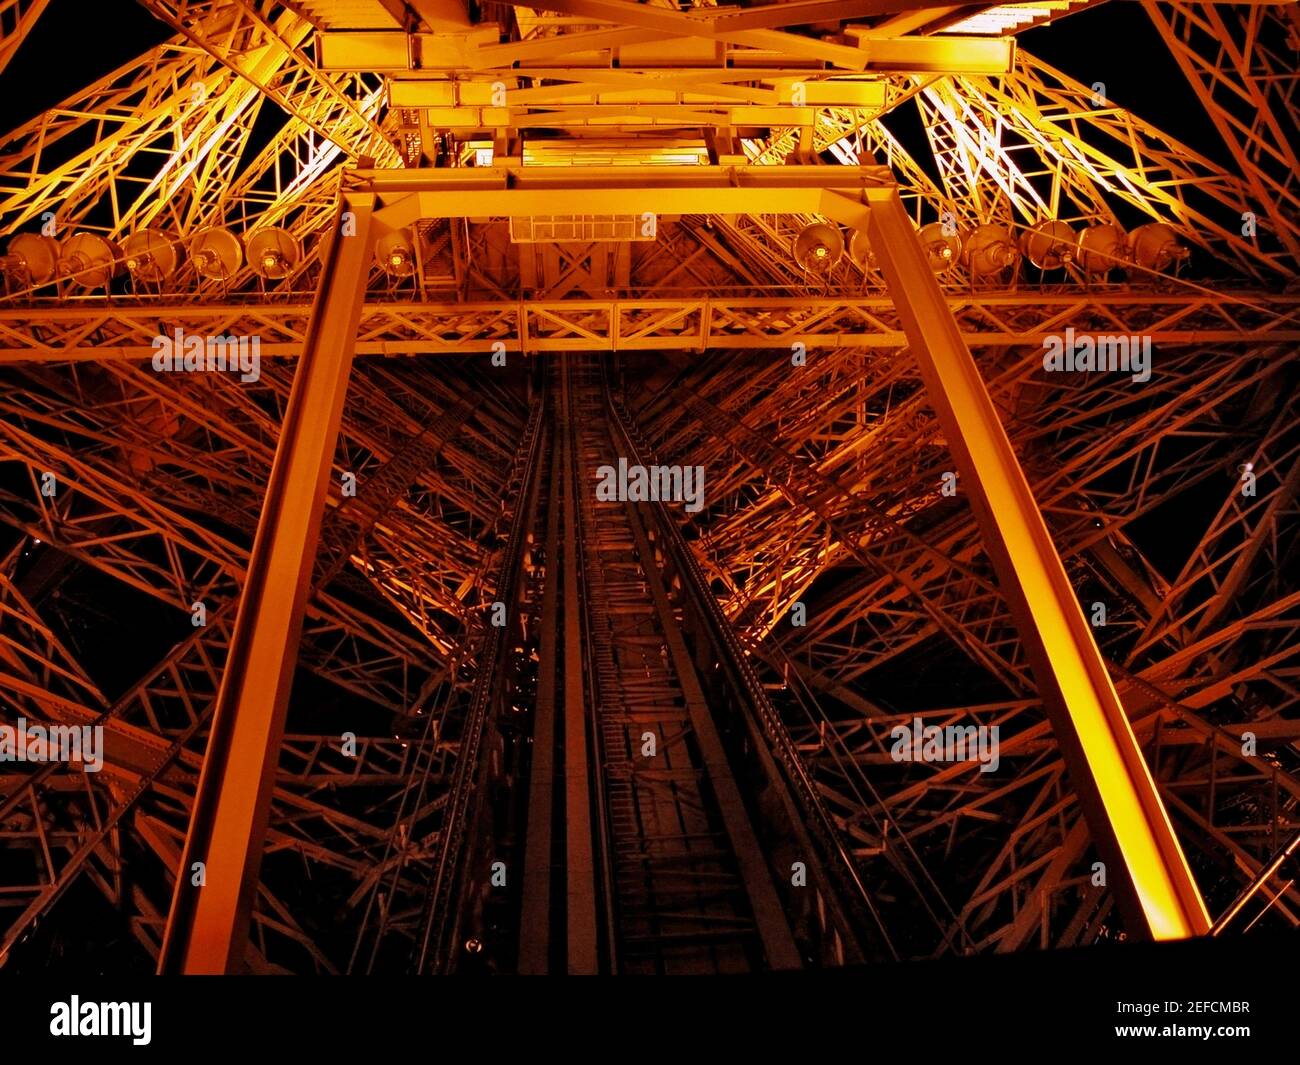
769	915
124	332
207	929
406	196
535	926
17	17
580	860
1148	871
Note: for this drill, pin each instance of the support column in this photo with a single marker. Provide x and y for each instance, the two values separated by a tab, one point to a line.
1145	864
208	926
535	923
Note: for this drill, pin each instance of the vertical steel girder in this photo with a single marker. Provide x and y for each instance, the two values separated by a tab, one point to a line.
1149	872
580	859
533	933
207	929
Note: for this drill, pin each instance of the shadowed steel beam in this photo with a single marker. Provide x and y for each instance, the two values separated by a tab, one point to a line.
1149	873
207	929
580	859
535	930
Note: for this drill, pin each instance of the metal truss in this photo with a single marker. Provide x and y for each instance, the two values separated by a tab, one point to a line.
871	465
59	333
17	17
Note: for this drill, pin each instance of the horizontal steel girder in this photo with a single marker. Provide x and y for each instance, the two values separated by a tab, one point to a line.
99	332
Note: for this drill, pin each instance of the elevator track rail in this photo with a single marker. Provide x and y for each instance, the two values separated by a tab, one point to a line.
689	889
642	810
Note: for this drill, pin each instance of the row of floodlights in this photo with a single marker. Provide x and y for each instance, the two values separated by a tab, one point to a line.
90	261
988	250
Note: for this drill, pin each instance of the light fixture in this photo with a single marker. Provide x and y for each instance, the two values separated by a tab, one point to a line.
1049	245
942	246
89	260
860	250
217	253
273	253
1156	246
152	255
1101	249
395	253
988	250
32	258
818	247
